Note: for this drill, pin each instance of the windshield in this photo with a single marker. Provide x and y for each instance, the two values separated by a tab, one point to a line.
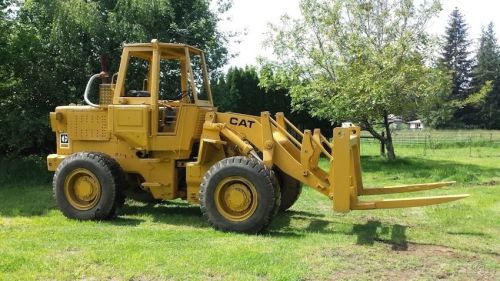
170	80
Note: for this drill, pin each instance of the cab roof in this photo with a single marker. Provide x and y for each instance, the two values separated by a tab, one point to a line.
166	49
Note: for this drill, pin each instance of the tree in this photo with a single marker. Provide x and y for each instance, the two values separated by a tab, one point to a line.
455	58
487	69
356	60
56	47
240	91
4	26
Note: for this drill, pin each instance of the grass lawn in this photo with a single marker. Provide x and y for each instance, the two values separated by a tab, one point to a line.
171	241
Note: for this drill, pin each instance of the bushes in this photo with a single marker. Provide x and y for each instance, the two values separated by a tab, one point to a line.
24	170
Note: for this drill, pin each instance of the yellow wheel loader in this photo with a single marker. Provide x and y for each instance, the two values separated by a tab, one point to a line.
154	134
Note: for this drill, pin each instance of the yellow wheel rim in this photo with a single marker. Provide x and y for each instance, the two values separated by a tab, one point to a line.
236	198
82	189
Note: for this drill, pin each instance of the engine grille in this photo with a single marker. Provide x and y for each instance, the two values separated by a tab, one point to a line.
106	94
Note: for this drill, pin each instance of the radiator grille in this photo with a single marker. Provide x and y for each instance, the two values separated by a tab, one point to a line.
105	94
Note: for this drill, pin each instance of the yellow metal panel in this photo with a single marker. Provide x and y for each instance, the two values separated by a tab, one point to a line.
53	160
130	118
87	125
132	124
340	170
306	151
267	140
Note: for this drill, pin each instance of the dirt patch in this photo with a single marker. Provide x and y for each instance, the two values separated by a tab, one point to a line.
417	262
446	263
425	250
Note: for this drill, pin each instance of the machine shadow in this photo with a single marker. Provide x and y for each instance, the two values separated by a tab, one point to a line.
366	234
172	213
369	233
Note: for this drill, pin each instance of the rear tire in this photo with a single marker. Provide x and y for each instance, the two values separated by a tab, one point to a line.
290	190
88	186
237	194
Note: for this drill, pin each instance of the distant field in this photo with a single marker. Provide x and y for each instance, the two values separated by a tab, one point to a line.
438	138
171	241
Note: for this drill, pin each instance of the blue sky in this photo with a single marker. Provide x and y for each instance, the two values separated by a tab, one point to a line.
252	17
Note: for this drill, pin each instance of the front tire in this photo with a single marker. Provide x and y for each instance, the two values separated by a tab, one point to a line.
88	186
237	194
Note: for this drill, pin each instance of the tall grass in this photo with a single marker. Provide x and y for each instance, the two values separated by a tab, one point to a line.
26	170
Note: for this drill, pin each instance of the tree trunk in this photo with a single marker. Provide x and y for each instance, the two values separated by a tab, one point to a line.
388	139
385	138
382	144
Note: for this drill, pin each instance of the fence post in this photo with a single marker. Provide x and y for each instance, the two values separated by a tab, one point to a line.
470	146
382	146
425	145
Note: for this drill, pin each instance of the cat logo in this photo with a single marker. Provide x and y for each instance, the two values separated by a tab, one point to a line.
237	122
64	140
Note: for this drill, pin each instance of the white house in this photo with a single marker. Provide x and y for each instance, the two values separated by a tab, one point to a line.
396	122
416	124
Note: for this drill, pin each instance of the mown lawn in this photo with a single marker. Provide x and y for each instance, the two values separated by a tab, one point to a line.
171	241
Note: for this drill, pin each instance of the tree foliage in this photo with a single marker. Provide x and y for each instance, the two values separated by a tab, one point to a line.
455	55
52	47
460	107
487	71
357	60
240	91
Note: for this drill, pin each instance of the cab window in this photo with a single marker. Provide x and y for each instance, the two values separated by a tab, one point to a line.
136	78
170	80
201	87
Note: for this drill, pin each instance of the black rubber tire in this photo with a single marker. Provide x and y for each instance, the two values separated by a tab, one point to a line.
290	190
110	176
277	192
261	178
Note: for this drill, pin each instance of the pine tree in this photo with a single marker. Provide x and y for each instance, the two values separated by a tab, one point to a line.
455	58
455	55
487	68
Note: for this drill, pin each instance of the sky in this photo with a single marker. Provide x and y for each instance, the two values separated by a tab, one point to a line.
251	18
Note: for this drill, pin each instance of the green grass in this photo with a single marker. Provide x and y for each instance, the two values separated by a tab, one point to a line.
457	241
